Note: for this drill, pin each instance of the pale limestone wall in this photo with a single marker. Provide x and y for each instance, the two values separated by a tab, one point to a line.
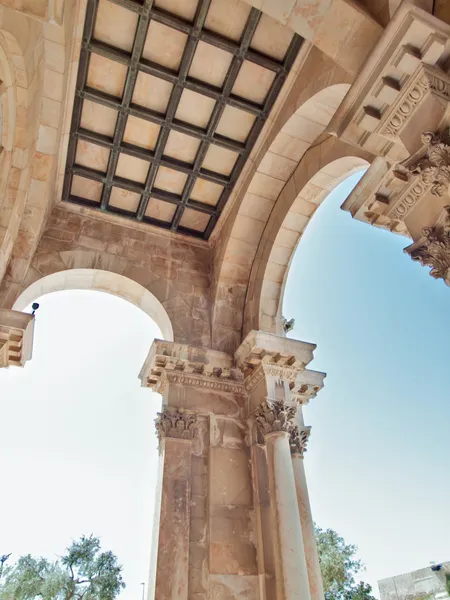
175	271
38	52
416	585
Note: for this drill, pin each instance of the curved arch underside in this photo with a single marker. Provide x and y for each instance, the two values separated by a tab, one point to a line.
100	281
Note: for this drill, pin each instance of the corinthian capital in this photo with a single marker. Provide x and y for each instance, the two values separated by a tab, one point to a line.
176	424
434	167
433	249
299	439
274	416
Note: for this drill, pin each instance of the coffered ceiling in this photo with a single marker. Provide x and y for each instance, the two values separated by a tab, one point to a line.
171	96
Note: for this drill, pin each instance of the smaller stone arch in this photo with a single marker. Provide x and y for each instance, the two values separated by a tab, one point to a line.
101	281
329	164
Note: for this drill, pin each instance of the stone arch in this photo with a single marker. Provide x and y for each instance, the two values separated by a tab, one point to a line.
275	172
270	281
38	52
101	281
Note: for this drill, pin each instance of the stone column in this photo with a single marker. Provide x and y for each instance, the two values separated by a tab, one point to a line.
176	431
274	420
298	440
16	337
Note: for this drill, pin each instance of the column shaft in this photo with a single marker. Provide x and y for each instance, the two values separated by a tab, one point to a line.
290	563
309	539
173	542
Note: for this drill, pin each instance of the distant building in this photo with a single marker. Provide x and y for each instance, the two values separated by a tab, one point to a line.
430	583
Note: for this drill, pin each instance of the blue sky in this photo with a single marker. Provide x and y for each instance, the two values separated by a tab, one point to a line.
377	461
77	446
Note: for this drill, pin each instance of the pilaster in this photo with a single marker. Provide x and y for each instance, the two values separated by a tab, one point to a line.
16	337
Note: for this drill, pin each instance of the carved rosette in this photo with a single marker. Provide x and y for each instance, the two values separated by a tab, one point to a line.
434	167
433	250
299	439
176	424
274	416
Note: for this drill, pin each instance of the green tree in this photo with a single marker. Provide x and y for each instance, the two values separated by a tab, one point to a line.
83	573
339	566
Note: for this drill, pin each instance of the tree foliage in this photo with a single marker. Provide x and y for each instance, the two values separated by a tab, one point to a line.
83	573
339	566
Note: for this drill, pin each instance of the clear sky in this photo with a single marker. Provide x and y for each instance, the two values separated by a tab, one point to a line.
77	445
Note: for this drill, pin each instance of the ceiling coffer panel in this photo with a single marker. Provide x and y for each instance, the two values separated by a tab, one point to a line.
171	96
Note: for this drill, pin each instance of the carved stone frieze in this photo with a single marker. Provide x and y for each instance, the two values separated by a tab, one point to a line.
176	424
299	439
188	365
274	416
425	80
433	249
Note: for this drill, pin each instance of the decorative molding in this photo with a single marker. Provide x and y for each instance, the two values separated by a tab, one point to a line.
16	337
426	79
298	440
274	416
218	384
169	362
433	249
176	424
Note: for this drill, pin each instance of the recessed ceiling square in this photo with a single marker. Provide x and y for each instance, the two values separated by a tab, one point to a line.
124	199
182	147
194	219
86	188
235	124
164	45
182	8
170	180
253	82
141	133
152	92
271	38
132	168
195	108
219	160
115	25
98	118
106	75
206	191
210	64
92	156
158	209
228	18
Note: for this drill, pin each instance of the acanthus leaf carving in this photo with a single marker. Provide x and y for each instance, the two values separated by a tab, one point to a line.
298	439
433	250
176	424
434	167
274	416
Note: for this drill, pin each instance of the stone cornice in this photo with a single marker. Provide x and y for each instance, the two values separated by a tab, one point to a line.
176	424
298	440
16	337
267	355
169	362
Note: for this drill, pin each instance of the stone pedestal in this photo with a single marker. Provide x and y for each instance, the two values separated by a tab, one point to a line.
16	337
229	523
